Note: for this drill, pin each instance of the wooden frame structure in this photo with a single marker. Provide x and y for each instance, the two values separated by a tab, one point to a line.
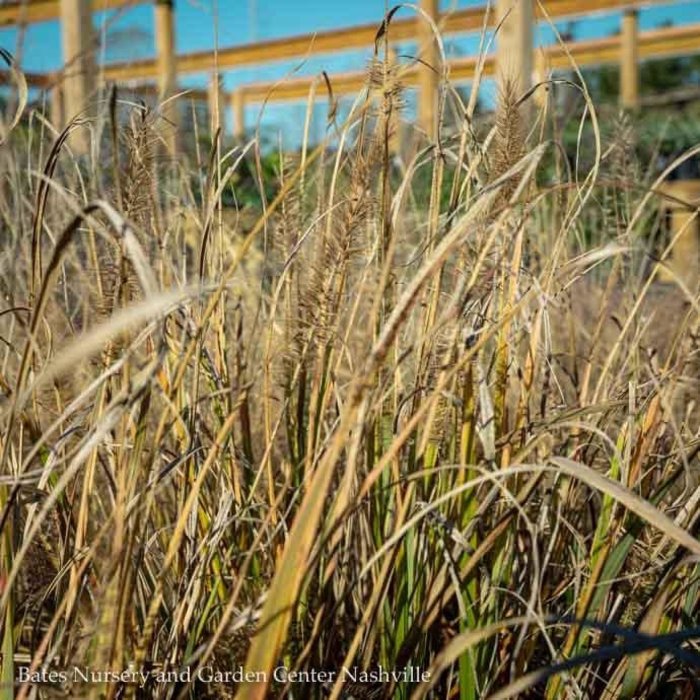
514	58
346	39
514	49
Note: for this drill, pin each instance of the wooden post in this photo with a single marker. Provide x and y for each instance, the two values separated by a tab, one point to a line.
165	61
629	61
56	106
214	100
514	55
238	113
541	76
79	76
429	73
684	259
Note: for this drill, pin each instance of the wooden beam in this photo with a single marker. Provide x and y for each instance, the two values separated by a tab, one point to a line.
629	61
660	43
167	77
37	80
30	11
470	19
151	91
298	88
359	37
678	96
514	47
78	71
26	12
429	70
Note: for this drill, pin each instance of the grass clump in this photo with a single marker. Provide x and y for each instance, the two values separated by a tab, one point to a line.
368	428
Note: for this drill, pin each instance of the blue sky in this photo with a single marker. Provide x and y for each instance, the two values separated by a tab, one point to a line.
130	35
